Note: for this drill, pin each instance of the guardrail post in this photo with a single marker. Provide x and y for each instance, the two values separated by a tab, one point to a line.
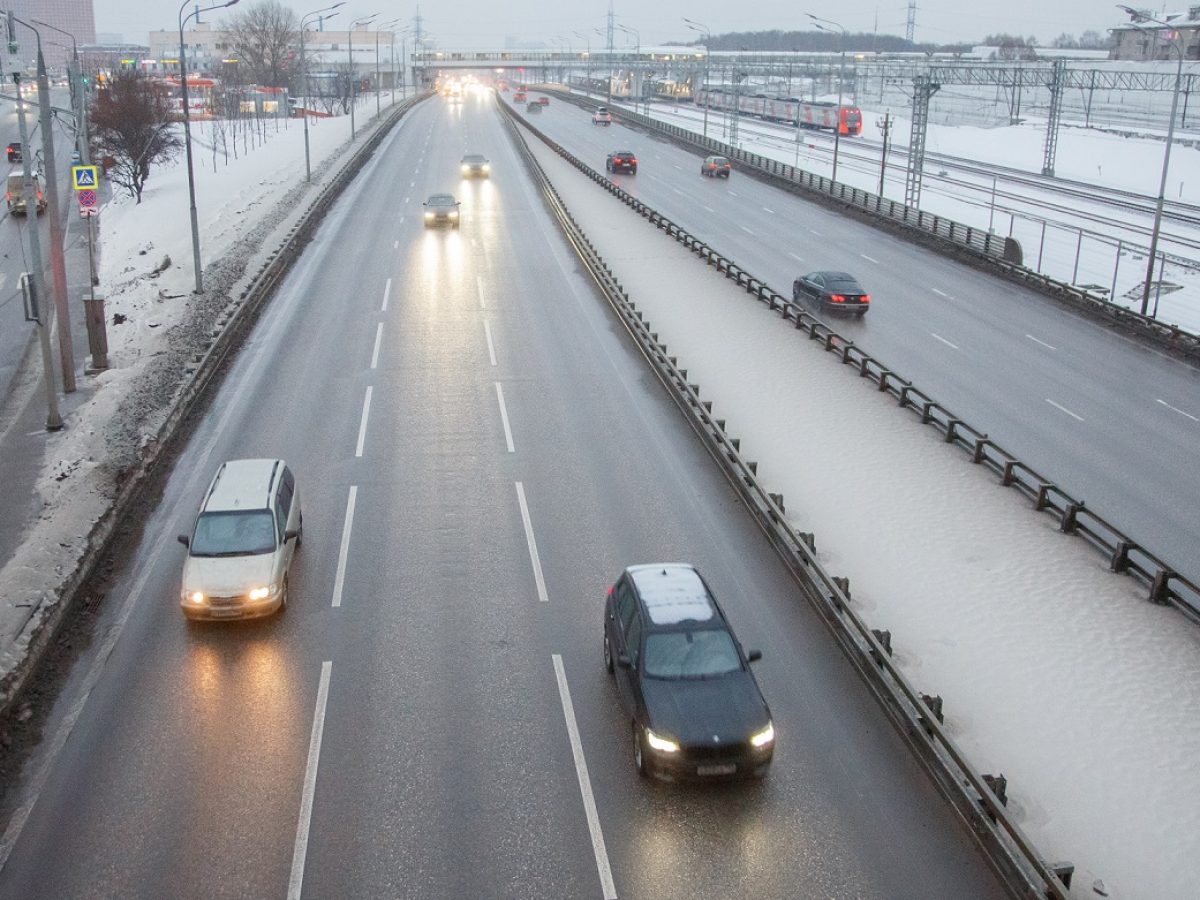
1067	524
1120	556
1064	871
999	787
934	703
980	445
885	640
1160	588
1043	496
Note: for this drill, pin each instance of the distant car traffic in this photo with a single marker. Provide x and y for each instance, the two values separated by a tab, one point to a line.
475	166
543	100
716	167
832	292
621	161
533	107
694	708
247	530
13	151
520	96
602	116
441	209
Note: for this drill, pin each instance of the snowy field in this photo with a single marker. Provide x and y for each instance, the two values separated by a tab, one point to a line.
1108	256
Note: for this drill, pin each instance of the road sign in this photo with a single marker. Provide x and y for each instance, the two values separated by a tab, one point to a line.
87	199
88	211
83	178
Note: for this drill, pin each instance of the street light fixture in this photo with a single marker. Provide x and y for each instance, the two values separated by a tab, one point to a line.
319	13
378	27
350	61
77	96
187	134
1176	43
837	120
702	29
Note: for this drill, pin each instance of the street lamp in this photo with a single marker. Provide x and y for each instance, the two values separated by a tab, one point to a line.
350	62
81	134
381	25
587	40
702	29
187	134
1177	44
837	120
304	76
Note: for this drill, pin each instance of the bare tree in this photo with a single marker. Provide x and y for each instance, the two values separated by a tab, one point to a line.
266	38
133	125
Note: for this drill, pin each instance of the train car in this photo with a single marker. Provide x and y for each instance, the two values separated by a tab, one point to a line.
821	115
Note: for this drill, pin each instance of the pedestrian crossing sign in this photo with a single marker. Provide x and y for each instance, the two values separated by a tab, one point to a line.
83	178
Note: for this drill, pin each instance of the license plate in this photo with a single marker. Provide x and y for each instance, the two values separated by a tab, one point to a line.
227	613
723	769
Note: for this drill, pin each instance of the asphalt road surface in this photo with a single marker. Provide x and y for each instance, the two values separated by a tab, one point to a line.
479	451
1109	420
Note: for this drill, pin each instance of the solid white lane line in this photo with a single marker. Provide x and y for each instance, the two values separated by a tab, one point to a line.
387	289
869	258
300	850
362	425
401	222
479	287
814	232
732	193
766	210
1064	409
487	331
504	418
395	244
585	783
795	257
944	341
378	340
939	293
707	208
344	550
680	168
1176	409
538	578
745	229
1043	343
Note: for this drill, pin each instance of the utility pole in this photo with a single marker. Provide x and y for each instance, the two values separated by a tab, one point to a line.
54	421
885	126
610	50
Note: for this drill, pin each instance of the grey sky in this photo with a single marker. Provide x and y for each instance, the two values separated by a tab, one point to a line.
486	23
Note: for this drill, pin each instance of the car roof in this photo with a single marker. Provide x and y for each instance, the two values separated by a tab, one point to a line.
471	157
672	593
835	276
243	484
621	153
441	198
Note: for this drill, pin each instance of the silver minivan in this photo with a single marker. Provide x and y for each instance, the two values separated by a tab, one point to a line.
241	547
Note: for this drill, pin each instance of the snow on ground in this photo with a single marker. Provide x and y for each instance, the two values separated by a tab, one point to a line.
1055	672
1090	155
155	325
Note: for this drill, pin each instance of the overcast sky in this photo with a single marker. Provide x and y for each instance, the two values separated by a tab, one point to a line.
487	23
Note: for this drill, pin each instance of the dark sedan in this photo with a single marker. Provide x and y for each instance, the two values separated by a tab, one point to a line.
694	707
622	161
441	209
13	151
832	292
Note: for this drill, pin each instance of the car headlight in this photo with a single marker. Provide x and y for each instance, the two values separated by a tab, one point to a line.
764	738
259	593
466	168
487	167
661	744
428	214
194	597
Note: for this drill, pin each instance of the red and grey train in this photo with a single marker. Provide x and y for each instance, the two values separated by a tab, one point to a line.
808	114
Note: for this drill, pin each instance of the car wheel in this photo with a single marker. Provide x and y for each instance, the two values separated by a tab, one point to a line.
639	752
284	599
608	660
300	532
633	171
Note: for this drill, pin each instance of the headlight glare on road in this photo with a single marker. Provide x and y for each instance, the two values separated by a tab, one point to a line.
260	593
661	744
764	738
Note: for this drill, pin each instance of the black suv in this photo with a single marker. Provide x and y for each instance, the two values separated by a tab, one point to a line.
13	151
621	161
694	707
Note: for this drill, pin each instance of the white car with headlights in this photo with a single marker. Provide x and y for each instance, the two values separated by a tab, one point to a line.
241	547
475	166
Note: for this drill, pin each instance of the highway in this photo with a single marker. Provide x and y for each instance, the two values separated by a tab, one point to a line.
1110	420
479	451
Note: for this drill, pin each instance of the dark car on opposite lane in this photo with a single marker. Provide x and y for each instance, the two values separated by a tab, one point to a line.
694	707
832	292
621	161
441	209
716	167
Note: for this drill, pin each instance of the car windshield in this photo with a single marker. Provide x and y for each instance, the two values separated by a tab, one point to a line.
845	287
720	161
691	654
474	160
440	200
234	533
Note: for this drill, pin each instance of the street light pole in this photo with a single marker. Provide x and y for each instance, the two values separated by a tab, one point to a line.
390	24
350	62
187	136
319	13
81	135
703	29
837	119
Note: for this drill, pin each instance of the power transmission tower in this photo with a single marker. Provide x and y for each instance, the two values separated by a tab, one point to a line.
924	87
910	26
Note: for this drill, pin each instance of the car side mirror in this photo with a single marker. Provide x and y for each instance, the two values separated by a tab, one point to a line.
624	661
291	534
754	656
183	539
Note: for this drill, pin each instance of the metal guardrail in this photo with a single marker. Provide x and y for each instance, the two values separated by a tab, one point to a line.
979	798
231	324
1166	585
1003	255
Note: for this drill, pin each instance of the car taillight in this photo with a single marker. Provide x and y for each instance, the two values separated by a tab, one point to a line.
610	590
632	161
836	298
865	298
